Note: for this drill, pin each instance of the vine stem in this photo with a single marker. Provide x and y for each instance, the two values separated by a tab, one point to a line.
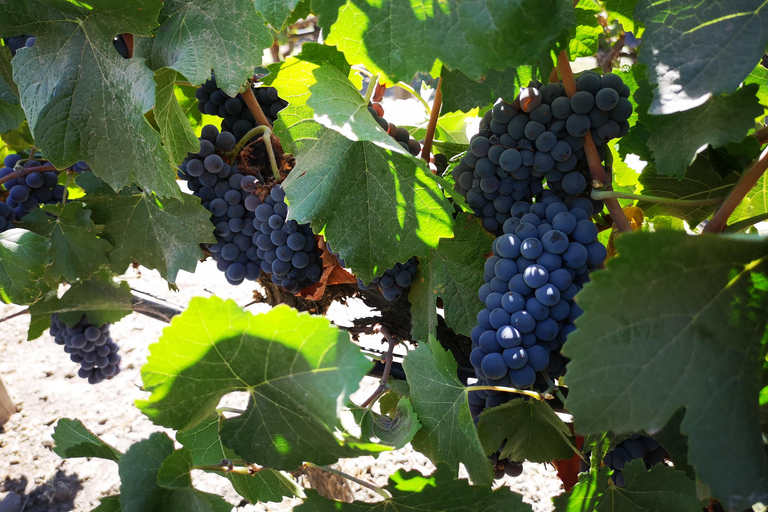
266	136
225	469
66	190
255	108
416	95
14	315
532	394
596	170
23	172
372	83
430	135
601	195
378	490
220	410
388	357
738	226
737	194
761	135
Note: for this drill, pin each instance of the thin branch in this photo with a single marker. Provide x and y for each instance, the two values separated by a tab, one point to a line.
416	95
372	83
436	104
388	357
226	469
234	410
607	60
596	170
14	315
737	194
601	195
743	224
29	170
504	389
128	38
255	108
266	136
70	176
378	490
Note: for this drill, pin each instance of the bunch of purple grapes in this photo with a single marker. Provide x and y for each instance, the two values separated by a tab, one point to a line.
394	281
26	193
89	345
635	447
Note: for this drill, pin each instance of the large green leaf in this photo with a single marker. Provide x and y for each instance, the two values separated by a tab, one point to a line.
100	298
226	36
76	251
454	272
412	492
448	433
623	7
759	76
11	113
161	235
676	138
584	39
396	430
204	443
676	321
462	93
82	99
660	489
276	12
693	50
72	439
297	369
398	38
178	135
23	260
528	429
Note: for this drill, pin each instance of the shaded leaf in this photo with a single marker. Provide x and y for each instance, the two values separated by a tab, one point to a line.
178	136
71	439
395	431
11	113
23	260
463	94
108	504
276	12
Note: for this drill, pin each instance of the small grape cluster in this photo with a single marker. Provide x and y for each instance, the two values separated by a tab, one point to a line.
6	217
394	281
538	265
88	345
16	43
289	249
26	193
635	447
237	117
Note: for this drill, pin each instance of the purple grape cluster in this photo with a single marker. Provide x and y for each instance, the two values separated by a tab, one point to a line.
25	194
538	265
237	117
6	217
394	281
635	447
89	345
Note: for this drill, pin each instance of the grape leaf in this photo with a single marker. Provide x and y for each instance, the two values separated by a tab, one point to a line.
82	99
108	504
296	368
276	12
528	429
675	443
394	431
72	439
694	50
175	470
660	488
204	443
462	93
678	335
178	136
454	272
397	39
623	7
676	138
199	35
141	466
759	76
584	39
23	260
11	113
100	298
412	492
448	433
76	250
161	235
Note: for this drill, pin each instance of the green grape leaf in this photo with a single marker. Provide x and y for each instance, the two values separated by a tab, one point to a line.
108	504
163	235
175	471
226	36
412	492
660	488
531	429
584	39
676	138
296	368
623	7
84	101
448	433
71	439
185	95
204	443
76	250
472	36
398	207
394	431
100	298
675	443
276	12
11	113
23	260
759	76
178	136
454	272
693	52
463	94
678	335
